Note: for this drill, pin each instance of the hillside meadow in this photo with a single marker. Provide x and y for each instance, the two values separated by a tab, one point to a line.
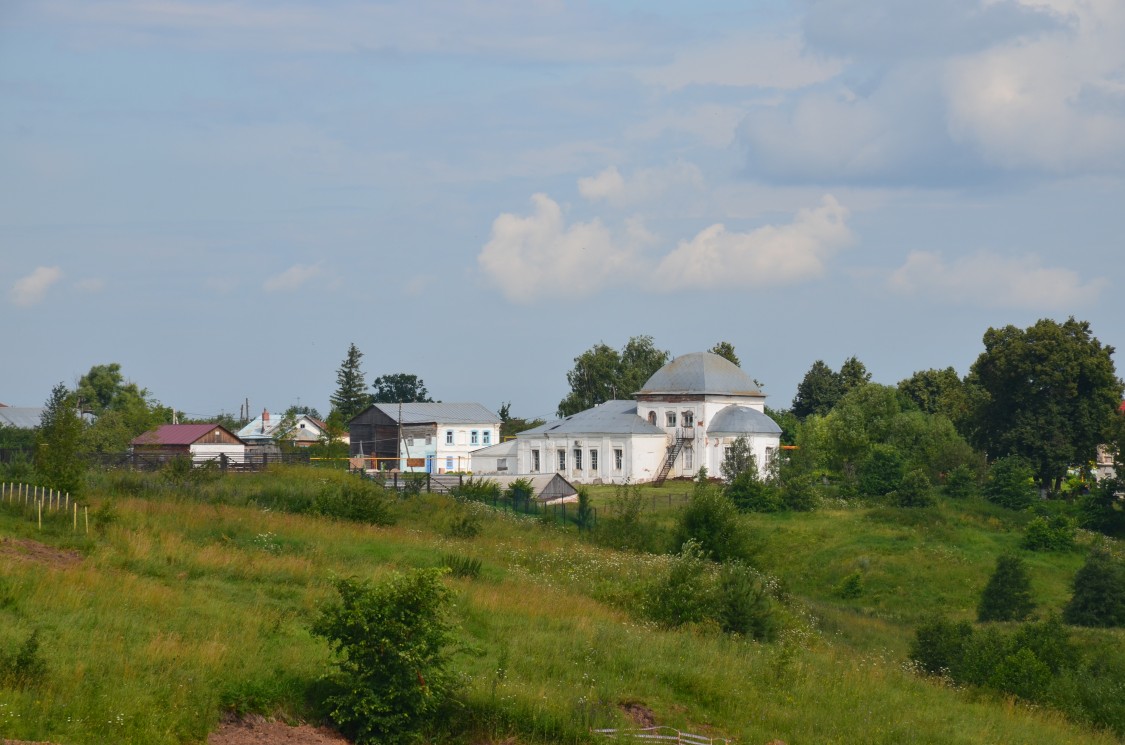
188	601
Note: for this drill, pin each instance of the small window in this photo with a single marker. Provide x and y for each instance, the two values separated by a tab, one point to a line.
577	459
409	442
652	417
486	437
474	436
535	461
594	460
562	460
670	419
448	437
501	464
689	458
688	418
429	439
618	459
449	464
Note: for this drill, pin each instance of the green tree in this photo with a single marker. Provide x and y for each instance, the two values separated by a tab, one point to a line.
817	392
881	472
1009	483
749	492
511	425
940	392
602	374
122	409
915	489
58	455
853	374
1099	592
400	388
391	644
961	482
1007	596
737	459
725	350
788	422
711	519
351	396
1049	393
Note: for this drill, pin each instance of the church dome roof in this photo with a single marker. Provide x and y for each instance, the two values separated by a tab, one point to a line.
701	372
742	420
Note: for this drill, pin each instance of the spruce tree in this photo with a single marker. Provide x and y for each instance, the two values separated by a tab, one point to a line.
1007	596
1099	592
351	396
58	444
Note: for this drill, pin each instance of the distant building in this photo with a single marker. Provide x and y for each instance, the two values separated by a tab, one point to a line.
686	416
201	442
435	437
23	417
301	430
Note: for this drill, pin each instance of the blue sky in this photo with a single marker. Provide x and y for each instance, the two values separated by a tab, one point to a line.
221	195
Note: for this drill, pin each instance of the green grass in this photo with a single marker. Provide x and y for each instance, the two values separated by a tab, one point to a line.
197	600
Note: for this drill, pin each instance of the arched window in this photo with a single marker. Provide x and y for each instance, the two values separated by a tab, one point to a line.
652	417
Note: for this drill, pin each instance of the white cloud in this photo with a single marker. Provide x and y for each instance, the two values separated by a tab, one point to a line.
990	280
643	186
292	278
745	60
713	124
90	284
542	256
33	288
770	255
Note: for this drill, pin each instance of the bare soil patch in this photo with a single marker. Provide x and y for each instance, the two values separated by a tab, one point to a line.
25	549
641	715
257	730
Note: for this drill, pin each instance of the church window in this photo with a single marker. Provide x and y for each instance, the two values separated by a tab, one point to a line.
652	417
688	459
618	459
670	418
594	460
577	459
562	459
535	461
689	419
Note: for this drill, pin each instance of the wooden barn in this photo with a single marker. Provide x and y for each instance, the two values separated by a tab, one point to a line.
202	442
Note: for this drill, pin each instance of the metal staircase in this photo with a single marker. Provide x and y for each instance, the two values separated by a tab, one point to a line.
673	453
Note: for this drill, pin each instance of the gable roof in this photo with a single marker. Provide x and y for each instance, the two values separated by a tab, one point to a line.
699	373
440	413
254	429
24	417
177	434
610	418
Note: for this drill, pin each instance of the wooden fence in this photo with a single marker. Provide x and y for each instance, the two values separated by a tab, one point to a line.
660	735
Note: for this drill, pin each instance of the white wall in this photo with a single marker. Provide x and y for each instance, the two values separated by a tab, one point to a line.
641	456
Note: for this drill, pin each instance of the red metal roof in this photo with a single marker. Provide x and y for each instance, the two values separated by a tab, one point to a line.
176	434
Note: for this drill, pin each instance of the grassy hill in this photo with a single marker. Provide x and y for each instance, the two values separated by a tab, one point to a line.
188	601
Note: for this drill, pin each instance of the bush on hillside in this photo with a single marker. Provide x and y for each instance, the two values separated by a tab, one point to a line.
1053	533
961	482
915	490
1099	592
478	490
391	643
356	500
1101	511
712	520
1010	484
1007	596
751	494
881	471
744	605
623	526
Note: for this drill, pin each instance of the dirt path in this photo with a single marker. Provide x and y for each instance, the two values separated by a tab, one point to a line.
256	730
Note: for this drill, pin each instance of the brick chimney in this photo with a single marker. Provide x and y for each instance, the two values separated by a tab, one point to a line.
265	420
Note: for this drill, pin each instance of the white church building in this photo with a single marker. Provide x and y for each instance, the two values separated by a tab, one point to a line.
685	416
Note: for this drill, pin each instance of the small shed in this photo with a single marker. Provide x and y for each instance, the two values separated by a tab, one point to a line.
548	488
498	458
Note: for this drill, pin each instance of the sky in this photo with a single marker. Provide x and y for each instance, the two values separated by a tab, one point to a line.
222	195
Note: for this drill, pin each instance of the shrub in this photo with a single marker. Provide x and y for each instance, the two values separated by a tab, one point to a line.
939	645
1099	592
356	500
737	460
750	494
464	524
850	586
1100	510
798	492
1010	484
478	490
1007	596
519	491
585	516
1049	534
915	490
25	667
391	643
624	528
711	520
881	471
743	603
683	594
961	482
